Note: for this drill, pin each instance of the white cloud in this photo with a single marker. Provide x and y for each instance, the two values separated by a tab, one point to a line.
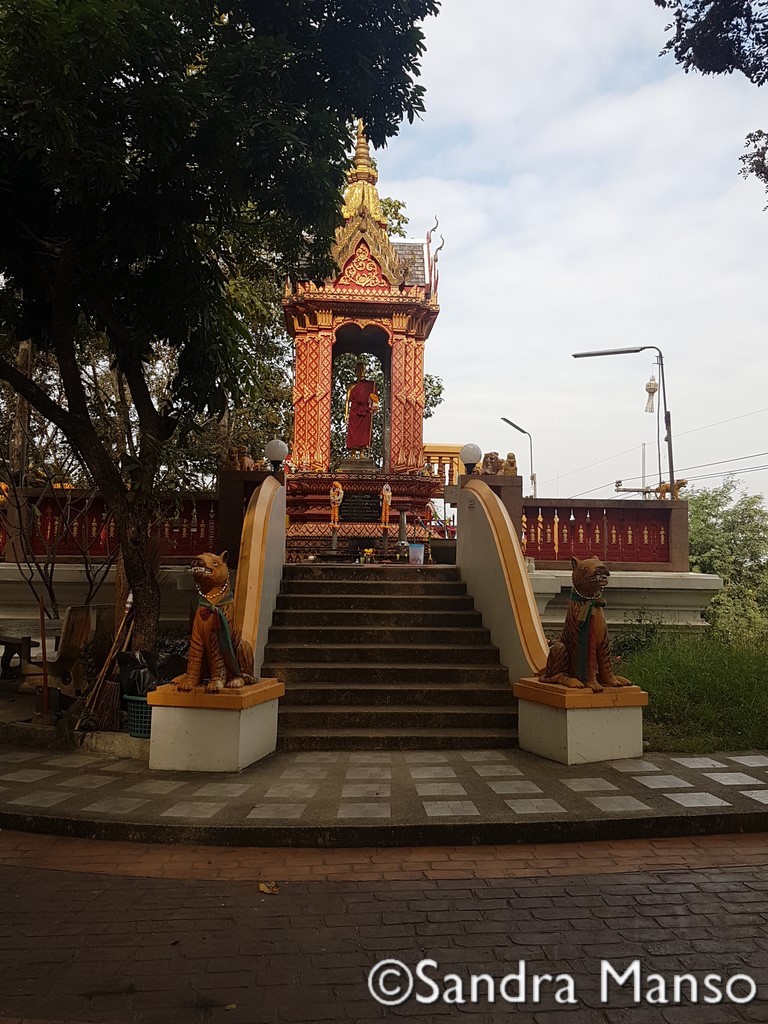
589	195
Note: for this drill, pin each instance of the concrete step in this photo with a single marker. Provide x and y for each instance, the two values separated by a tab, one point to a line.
372	587
391	573
389	602
378	636
397	717
386	673
394	654
385	657
400	694
396	739
377	617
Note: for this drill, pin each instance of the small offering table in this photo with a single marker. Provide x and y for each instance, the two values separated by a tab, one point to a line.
213	732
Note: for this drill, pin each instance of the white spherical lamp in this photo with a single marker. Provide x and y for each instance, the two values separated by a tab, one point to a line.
276	450
470	455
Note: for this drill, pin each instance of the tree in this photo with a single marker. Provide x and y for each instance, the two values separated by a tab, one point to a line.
145	145
729	537
397	220
719	37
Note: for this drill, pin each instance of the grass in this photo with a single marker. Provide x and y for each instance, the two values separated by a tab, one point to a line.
704	695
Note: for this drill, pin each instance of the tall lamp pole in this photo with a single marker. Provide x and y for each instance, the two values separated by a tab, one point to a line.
530	442
667	415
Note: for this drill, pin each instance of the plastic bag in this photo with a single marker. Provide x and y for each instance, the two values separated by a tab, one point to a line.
142	671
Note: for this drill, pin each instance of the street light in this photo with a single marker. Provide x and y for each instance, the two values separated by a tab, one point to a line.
530	442
667	415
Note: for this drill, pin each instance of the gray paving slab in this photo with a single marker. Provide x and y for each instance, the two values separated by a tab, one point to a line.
416	790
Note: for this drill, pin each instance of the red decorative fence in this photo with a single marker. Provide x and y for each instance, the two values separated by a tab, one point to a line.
626	534
65	525
633	534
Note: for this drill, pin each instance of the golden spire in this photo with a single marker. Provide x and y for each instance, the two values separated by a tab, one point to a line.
360	194
362	165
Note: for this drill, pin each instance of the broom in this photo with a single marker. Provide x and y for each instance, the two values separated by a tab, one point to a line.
106	707
100	702
101	706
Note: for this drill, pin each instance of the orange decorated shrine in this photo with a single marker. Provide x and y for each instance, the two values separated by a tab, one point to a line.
383	302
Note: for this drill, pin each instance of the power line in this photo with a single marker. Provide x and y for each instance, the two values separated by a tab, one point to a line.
599	463
703	476
720	422
590	491
681	433
716	476
704	465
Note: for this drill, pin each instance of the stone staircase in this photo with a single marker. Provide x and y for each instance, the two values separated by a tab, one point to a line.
385	657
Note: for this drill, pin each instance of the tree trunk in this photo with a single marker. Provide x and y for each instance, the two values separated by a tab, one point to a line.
140	574
121	587
20	430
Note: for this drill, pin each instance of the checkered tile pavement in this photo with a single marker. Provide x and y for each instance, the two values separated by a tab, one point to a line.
408	787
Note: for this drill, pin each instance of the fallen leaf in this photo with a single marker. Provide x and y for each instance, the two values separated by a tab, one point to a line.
271	887
231	1006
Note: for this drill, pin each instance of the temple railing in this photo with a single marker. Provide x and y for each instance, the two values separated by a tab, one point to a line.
631	535
443	462
69	525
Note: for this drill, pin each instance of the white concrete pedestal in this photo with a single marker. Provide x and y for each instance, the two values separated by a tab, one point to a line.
578	726
219	732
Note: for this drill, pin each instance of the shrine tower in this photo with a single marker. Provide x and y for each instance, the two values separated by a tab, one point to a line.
382	302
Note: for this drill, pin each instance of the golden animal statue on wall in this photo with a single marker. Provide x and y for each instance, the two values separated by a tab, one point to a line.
216	652
244	458
491	464
509	466
582	655
662	491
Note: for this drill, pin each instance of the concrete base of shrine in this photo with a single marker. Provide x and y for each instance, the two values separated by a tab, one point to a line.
577	726
213	732
364	466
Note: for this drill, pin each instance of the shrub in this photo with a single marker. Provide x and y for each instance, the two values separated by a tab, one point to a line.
704	694
635	636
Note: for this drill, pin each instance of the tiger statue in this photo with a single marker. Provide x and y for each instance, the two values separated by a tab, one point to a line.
582	655
662	491
216	652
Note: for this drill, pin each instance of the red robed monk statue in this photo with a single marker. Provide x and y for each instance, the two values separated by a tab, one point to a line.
362	402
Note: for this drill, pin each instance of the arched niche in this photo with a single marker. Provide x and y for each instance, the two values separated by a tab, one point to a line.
370	339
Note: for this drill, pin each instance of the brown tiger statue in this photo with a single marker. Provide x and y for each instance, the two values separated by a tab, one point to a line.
662	491
582	655
216	652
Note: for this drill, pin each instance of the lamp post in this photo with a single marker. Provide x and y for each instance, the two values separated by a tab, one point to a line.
667	415
530	442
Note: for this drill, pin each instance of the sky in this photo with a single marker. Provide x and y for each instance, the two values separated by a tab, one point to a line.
589	194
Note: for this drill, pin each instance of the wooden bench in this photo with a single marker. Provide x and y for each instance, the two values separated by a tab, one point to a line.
14	646
82	625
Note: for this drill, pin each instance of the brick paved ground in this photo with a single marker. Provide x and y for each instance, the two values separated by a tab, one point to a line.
112	932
